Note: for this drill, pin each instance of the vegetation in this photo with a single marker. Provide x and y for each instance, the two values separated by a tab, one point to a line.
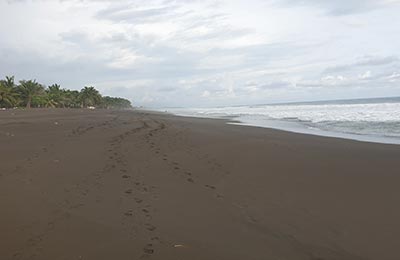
29	93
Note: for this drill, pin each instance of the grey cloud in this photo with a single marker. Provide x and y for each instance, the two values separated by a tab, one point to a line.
367	61
375	80
343	7
81	71
376	61
193	59
263	86
274	85
171	61
74	37
216	33
263	56
131	13
167	89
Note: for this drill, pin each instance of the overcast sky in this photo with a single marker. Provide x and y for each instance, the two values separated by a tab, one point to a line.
208	52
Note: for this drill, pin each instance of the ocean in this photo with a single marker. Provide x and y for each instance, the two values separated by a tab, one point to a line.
372	120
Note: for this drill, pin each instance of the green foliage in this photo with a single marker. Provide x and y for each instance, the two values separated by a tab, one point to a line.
113	103
8	95
90	97
29	90
72	98
30	93
54	96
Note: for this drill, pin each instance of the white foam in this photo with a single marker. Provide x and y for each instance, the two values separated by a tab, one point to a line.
368	119
383	112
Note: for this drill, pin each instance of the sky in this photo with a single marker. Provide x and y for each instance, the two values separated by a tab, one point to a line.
206	53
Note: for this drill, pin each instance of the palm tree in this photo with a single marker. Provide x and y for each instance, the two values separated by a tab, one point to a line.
49	102
115	103
72	98
90	96
56	96
30	93
8	97
29	89
9	82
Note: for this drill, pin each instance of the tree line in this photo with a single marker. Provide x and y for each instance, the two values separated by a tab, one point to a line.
29	93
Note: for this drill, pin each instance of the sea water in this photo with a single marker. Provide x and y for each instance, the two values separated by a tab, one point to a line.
374	120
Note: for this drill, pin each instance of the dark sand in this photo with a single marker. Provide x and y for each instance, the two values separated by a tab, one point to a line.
80	184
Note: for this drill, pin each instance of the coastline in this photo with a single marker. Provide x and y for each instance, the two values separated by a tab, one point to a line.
298	128
369	120
167	187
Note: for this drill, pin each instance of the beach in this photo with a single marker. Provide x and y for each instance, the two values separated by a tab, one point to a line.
105	184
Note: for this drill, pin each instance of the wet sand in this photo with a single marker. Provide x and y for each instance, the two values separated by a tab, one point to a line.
81	184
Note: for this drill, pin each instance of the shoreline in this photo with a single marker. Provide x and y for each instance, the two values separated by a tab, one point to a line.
296	128
300	129
371	120
106	184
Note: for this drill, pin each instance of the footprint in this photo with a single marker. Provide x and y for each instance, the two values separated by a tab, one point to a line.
190	180
128	191
148	249
129	213
150	227
210	187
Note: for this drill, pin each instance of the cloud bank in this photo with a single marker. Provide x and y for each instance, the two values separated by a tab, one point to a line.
206	53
